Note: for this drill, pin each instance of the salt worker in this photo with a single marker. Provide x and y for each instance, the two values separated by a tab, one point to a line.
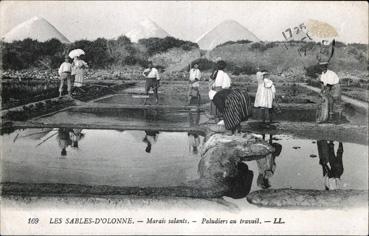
152	81
331	90
235	106
219	80
194	84
265	95
64	72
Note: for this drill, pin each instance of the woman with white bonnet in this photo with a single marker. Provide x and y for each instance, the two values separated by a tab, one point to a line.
265	95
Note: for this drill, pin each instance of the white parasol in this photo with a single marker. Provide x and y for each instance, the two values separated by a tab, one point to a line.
76	53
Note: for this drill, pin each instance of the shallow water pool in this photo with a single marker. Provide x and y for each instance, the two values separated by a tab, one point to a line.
161	159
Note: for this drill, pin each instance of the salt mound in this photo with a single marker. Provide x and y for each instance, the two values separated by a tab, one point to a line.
146	29
36	28
228	30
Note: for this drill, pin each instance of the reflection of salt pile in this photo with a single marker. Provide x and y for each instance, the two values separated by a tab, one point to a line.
146	29
35	28
229	30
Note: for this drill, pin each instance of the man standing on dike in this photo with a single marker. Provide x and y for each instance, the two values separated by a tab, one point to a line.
152	81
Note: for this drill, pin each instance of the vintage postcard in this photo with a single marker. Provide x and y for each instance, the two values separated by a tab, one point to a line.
184	118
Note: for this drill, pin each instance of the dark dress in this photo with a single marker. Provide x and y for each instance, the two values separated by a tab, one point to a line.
235	106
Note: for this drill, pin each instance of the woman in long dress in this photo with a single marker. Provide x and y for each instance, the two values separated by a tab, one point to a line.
265	95
78	71
234	106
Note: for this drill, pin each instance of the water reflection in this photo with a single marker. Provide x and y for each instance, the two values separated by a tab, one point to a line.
240	184
68	137
76	136
193	142
267	165
193	137
108	157
64	140
150	114
331	163
150	138
193	118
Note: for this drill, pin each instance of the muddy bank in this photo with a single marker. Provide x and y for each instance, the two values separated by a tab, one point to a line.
221	154
56	190
30	110
16	93
308	198
201	188
113	202
343	132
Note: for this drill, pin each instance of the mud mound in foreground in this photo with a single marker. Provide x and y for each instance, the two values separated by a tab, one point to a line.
308	198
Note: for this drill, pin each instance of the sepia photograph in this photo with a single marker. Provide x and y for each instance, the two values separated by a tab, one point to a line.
184	117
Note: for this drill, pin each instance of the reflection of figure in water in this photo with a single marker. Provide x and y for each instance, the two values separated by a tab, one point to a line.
193	137
150	114
331	163
193	142
150	138
68	137
240	184
193	118
267	165
64	139
76	135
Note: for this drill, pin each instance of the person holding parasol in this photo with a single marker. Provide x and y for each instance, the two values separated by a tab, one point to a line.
78	67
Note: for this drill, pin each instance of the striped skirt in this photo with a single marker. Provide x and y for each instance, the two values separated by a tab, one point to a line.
237	107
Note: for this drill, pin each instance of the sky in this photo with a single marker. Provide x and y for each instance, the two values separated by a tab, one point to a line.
187	20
